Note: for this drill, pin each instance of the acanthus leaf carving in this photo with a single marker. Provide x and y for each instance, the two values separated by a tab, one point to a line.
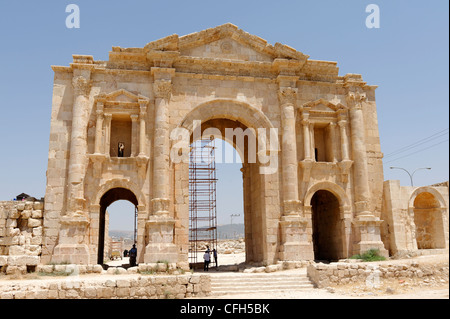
287	95
81	85
355	99
162	89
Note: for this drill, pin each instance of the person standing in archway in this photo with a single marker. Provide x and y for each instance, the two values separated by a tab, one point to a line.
133	253
207	259
214	251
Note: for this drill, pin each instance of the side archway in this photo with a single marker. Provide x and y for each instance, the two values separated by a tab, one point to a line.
327	205
109	192
428	208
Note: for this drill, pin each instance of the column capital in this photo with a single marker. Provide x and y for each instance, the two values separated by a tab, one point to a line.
287	95
134	117
162	89
355	99
342	123
81	85
99	109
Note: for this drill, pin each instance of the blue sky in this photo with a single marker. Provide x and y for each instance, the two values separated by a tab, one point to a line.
407	57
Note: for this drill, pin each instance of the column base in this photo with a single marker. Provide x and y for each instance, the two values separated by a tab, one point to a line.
367	232
296	252
295	245
159	252
72	247
71	254
160	235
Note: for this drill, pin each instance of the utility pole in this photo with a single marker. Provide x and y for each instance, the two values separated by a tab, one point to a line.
410	175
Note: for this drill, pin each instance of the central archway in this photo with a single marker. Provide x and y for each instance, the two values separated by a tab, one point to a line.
261	202
112	195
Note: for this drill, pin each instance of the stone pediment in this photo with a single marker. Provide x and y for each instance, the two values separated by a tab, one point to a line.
227	48
225	42
120	96
324	106
121	102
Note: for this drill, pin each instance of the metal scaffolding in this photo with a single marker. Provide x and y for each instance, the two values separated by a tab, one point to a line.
202	199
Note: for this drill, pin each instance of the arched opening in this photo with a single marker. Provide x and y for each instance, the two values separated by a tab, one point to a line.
428	221
238	207
327	228
111	196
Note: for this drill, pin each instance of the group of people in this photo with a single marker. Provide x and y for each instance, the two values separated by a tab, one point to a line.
207	258
132	253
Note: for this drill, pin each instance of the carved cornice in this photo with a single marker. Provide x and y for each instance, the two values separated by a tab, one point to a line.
81	85
162	59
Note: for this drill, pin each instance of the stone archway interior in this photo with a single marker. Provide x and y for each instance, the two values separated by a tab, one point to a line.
327	230
107	199
253	184
428	220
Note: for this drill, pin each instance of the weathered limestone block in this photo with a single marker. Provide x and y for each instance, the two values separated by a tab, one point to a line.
25	214
23	260
14	213
3	260
33	222
36	213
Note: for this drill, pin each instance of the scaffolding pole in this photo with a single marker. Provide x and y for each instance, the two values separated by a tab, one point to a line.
202	199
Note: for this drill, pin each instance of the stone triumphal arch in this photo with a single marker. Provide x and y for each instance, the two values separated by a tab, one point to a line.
116	125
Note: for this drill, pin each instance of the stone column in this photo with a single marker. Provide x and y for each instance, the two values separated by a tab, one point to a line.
312	141
306	139
291	222
73	235
107	144
345	164
142	115
99	128
289	162
366	226
344	140
306	164
160	225
161	147
134	132
360	167
78	145
98	157
332	131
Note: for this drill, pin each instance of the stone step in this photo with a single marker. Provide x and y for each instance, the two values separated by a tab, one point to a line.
254	283
254	291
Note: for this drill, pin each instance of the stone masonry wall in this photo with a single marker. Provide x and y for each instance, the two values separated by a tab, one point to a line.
120	287
335	274
20	234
